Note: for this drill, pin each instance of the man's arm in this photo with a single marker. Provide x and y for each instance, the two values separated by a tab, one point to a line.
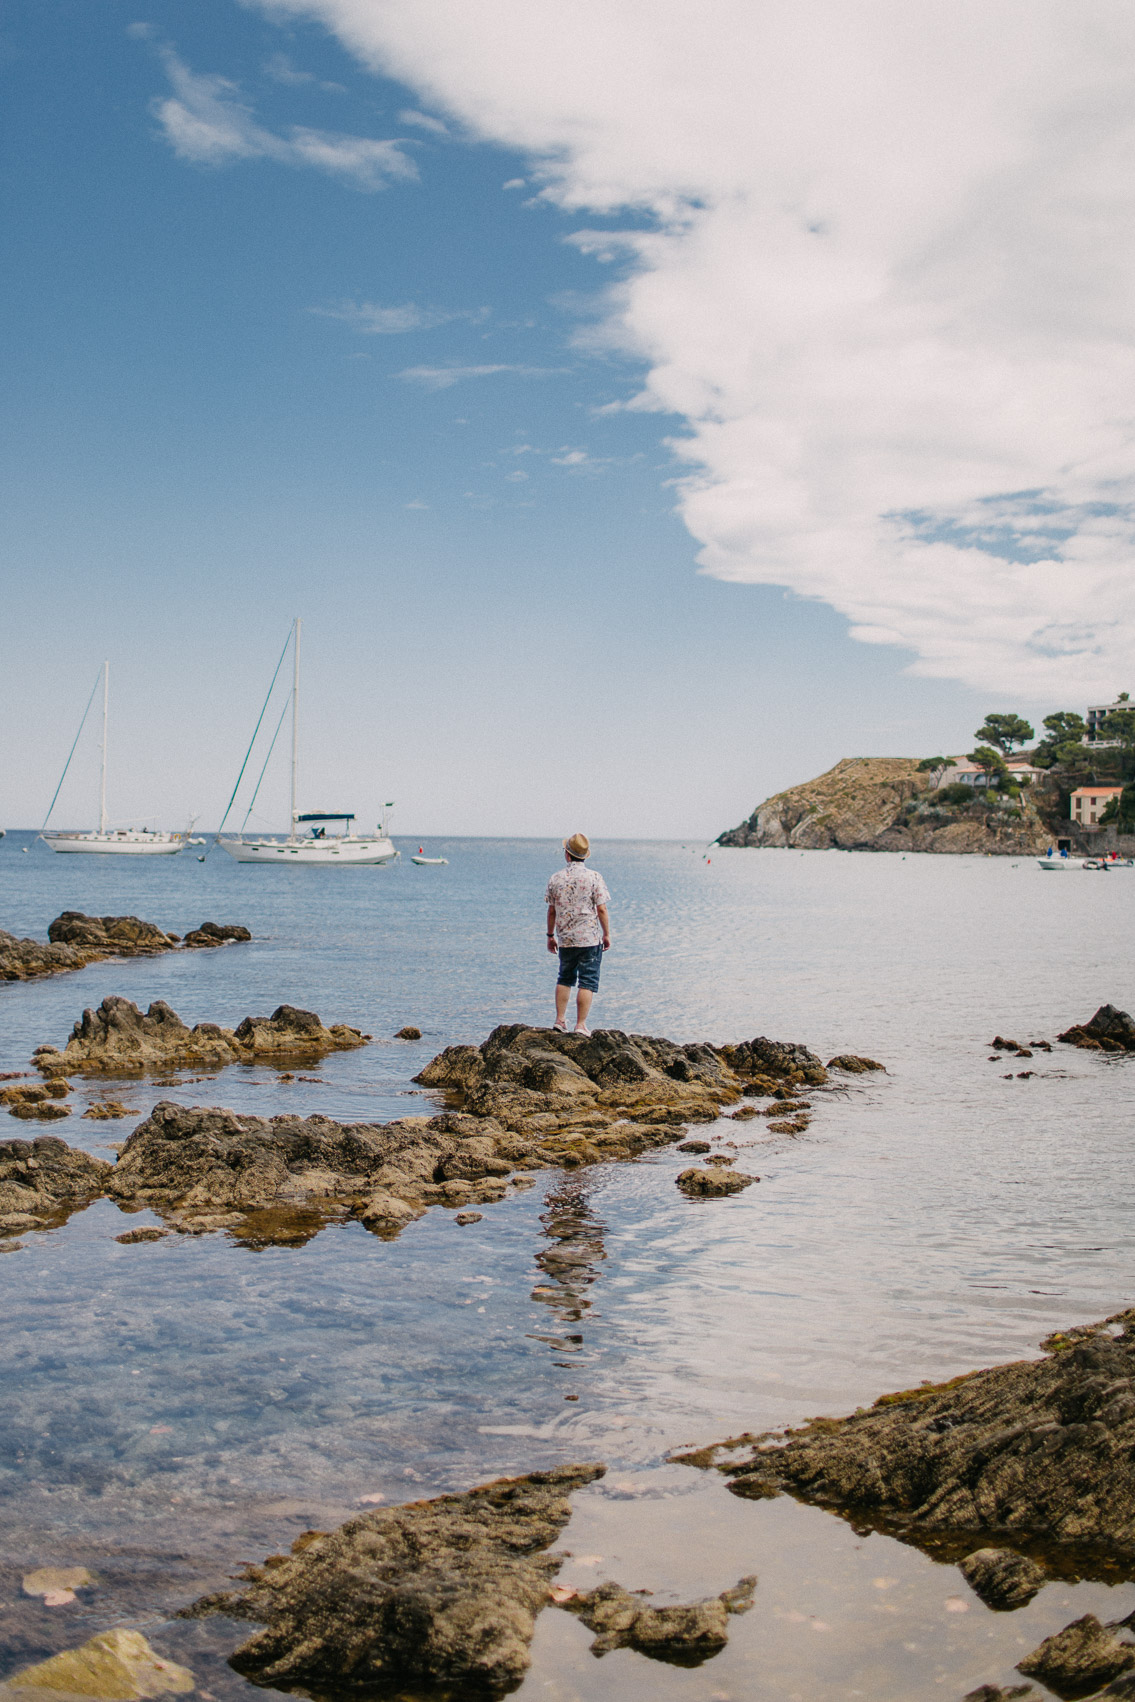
604	923
551	927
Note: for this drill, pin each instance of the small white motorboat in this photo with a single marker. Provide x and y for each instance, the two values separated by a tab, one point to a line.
433	862
1056	862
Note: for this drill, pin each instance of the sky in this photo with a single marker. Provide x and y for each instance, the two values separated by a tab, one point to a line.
642	406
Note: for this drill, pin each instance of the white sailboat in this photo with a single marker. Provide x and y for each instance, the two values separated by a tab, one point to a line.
316	845
115	841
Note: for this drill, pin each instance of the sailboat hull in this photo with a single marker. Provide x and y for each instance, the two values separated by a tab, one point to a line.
344	850
116	844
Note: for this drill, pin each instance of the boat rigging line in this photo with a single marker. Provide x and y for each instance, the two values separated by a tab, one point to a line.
252	741
71	752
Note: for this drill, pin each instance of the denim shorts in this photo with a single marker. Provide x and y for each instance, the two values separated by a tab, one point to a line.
581	961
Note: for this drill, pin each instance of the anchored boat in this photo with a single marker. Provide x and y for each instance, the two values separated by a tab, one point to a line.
310	840
114	841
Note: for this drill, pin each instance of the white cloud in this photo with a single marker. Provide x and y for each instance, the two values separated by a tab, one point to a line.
377	321
423	121
887	287
441	377
208	121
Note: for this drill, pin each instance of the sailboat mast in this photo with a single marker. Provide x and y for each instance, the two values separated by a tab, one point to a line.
102	778
295	722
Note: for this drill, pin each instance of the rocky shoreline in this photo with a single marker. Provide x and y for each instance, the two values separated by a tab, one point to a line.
74	940
526	1099
1022	1473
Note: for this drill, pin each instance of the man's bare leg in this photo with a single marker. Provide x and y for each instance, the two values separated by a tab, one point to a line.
563	994
582	1006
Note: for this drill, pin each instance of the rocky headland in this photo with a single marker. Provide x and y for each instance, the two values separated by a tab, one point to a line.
446	1592
886	804
74	940
117	1039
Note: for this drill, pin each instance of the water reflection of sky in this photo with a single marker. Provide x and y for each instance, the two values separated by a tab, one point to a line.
169	1410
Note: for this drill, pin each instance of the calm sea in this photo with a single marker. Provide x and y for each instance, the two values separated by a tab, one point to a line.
171	1410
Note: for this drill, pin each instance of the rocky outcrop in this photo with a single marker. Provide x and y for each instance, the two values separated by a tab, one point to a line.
623	1619
76	940
1110	1030
526	1100
1081	1658
215	934
440	1592
117	1039
110	936
39	1099
886	804
520	1075
42	1181
1037	1452
115	1666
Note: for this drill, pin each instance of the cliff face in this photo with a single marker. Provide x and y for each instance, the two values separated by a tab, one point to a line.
883	803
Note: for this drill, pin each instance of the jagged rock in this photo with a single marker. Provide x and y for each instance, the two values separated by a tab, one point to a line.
853	1065
41	1110
692	1146
709	1184
521	1073
789	1126
528	1103
132	1237
1079	1659
117	1039
111	936
444	1591
1002	1579
1111	1030
623	1620
44	1180
887	804
1042	1450
215	934
409	1033
464	1217
104	1109
116	1666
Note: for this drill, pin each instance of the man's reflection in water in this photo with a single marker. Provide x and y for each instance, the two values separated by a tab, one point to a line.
570	1262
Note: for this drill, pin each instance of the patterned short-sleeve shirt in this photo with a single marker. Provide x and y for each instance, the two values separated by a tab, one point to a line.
577	892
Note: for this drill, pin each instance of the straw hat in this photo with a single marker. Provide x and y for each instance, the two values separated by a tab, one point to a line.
578	846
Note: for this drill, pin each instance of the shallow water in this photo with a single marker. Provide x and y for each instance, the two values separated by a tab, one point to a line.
170	1410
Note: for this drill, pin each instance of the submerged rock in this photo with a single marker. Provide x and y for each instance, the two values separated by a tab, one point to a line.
47	1580
688	1633
1041	1450
1110	1030
1079	1659
215	934
852	1064
116	1666
711	1183
444	1591
42	1181
1002	1579
117	1039
409	1033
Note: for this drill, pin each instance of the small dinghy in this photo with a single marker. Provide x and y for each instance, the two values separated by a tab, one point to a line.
434	862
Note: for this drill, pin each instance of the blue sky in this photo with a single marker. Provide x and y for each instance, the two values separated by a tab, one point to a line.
214	420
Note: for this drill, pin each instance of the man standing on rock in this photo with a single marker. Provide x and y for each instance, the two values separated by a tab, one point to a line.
577	900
